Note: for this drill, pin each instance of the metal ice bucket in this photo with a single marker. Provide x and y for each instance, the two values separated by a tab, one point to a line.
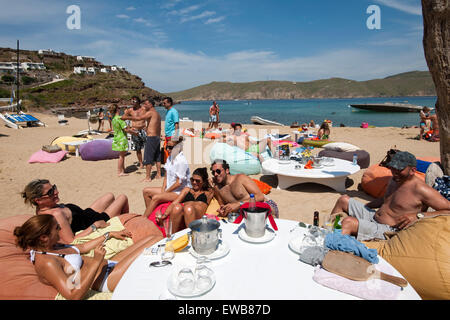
255	222
205	235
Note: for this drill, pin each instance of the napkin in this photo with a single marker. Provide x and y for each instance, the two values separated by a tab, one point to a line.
262	205
337	241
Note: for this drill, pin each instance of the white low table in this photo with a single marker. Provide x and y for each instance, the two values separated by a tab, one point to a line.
250	271
75	144
332	176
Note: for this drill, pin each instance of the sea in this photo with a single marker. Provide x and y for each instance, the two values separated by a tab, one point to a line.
303	111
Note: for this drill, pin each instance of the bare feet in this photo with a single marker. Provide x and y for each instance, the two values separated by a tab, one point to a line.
122	174
158	177
147	180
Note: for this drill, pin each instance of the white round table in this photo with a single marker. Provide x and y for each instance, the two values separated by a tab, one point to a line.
332	176
250	271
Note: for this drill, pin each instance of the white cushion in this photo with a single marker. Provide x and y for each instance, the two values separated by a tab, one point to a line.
340	146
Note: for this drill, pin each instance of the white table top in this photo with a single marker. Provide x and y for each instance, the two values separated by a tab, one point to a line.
249	271
339	168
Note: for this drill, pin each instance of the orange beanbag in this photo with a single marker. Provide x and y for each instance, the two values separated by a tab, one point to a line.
376	178
264	187
422	255
213	135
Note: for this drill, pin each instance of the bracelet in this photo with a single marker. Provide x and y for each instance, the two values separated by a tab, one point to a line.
106	235
94	227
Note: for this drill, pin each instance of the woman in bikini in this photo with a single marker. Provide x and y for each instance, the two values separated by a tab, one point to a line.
191	203
63	266
71	218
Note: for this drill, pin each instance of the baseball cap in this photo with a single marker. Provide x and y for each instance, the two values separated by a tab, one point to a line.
401	159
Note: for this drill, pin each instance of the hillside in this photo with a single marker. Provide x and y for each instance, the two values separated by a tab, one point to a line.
415	83
76	90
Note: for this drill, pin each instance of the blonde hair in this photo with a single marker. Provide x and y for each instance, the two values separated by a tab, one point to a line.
28	235
33	190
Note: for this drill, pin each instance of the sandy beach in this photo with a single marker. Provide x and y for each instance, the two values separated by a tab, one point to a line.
81	182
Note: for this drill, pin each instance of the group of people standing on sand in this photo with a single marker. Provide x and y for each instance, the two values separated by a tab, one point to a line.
139	127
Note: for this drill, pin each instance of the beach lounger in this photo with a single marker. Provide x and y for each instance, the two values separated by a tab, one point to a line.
21	119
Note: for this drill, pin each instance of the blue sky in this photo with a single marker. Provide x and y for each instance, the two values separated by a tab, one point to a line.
178	44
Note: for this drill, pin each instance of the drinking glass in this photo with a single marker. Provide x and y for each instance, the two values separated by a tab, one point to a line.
203	274
329	224
186	281
168	252
168	228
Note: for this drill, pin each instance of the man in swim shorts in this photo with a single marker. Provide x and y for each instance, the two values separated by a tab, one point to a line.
137	138
152	151
407	200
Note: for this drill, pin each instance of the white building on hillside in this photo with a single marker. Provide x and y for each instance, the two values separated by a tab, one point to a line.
104	70
33	66
79	70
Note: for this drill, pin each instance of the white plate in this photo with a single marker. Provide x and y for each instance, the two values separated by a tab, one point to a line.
269	235
222	250
173	287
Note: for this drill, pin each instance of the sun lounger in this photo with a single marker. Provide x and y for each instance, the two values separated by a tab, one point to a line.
16	120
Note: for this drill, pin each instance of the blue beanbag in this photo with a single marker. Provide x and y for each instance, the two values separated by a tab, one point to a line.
99	149
239	160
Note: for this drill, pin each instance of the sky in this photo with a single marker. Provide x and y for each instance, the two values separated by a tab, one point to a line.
175	45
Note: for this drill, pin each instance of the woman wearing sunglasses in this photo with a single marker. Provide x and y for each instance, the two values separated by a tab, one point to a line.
191	203
45	197
175	180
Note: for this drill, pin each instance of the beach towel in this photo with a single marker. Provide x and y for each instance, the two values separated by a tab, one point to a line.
112	246
372	289
442	184
337	241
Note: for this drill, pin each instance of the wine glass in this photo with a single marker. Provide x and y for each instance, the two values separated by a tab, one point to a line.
329	223
167	223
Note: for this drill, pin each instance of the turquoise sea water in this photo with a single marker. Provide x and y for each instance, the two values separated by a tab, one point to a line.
288	111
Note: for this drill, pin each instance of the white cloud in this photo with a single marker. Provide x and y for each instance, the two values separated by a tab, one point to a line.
408	6
168	4
130	8
172	70
215	20
122	16
184	11
204	14
143	21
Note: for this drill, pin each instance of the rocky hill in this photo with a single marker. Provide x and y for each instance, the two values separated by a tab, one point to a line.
415	83
74	90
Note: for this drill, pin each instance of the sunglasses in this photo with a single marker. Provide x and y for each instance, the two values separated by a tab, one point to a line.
169	147
51	191
196	180
218	171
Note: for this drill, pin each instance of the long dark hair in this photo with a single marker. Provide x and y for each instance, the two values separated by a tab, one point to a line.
203	173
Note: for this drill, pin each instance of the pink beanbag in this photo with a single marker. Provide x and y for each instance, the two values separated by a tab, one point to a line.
99	149
47	157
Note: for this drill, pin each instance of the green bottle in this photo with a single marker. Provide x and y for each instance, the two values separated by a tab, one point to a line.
337	223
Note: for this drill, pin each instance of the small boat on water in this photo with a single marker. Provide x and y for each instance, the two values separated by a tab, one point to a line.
259	120
388	107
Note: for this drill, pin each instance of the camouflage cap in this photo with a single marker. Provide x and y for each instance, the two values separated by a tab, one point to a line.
402	159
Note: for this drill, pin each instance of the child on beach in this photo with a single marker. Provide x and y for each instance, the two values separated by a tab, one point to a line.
120	141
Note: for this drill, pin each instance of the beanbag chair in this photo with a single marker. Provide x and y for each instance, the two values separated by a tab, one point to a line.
341	146
422	255
99	149
239	160
314	143
60	142
376	178
363	156
47	157
213	135
264	187
19	280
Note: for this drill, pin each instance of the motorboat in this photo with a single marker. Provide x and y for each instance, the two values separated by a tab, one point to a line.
388	107
261	121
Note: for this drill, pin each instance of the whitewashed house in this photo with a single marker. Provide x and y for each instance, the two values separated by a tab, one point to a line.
92	70
104	70
33	66
79	70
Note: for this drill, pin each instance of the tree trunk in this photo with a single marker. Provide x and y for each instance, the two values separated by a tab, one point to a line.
436	44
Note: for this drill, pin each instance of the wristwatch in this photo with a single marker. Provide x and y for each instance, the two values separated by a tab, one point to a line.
420	215
93	226
106	235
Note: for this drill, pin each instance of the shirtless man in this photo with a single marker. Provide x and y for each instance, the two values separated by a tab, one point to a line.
242	140
231	191
138	137
152	151
406	200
